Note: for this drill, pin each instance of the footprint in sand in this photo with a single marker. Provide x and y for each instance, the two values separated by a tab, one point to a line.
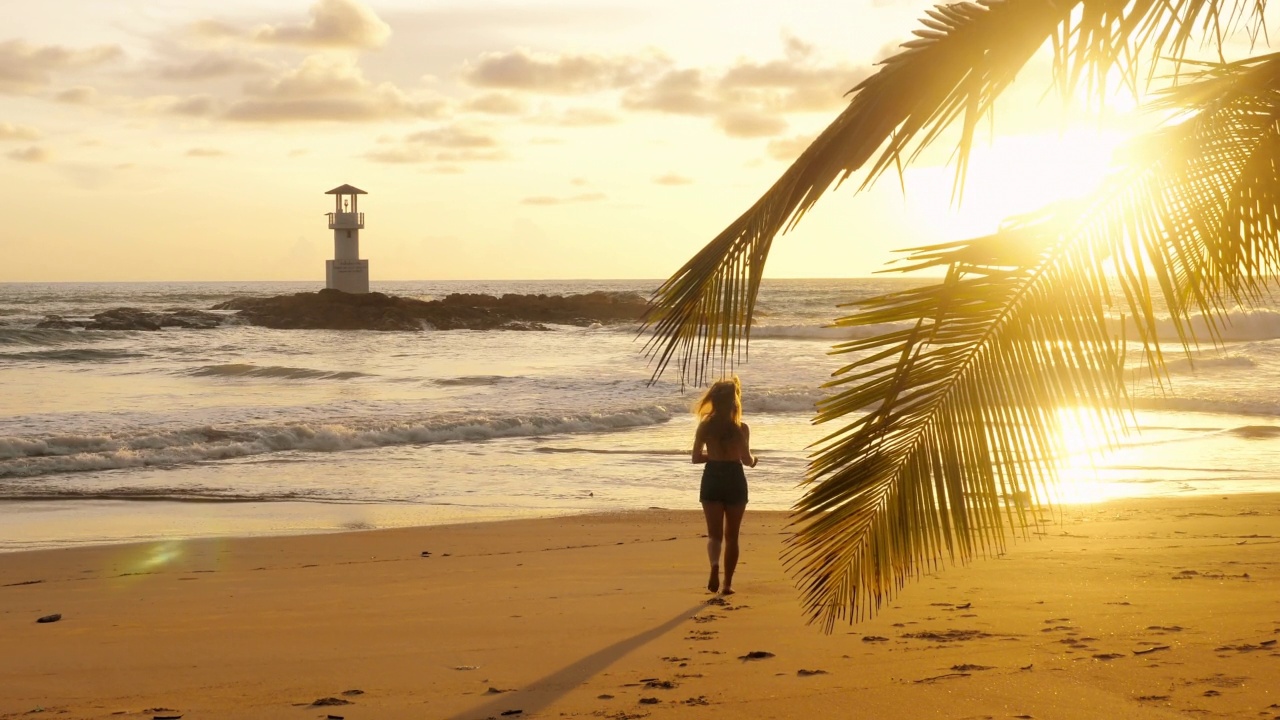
701	635
947	635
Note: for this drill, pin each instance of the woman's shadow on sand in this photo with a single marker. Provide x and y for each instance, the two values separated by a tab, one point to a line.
540	693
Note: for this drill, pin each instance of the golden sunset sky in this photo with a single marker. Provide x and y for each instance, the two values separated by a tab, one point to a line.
167	140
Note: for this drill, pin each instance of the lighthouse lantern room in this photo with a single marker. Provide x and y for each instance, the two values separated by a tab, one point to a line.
346	271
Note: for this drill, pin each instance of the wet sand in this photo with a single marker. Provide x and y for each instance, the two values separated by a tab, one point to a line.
1137	609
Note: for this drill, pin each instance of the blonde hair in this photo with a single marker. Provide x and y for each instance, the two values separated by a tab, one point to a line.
721	407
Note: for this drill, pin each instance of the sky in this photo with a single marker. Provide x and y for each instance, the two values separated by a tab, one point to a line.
179	140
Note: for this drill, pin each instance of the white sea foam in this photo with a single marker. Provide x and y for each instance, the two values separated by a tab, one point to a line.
473	380
1199	364
1239	325
1216	406
27	457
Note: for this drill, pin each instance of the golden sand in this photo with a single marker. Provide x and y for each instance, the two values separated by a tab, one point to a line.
1133	609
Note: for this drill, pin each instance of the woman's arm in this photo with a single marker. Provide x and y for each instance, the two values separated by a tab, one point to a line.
700	444
746	458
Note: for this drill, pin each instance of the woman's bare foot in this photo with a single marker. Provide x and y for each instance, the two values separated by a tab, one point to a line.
727	590
713	582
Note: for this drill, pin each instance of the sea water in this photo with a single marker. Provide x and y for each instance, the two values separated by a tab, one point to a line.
110	436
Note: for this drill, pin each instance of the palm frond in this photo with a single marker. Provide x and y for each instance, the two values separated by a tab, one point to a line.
953	70
962	411
965	55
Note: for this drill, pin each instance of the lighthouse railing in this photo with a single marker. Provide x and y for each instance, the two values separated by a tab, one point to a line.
346	221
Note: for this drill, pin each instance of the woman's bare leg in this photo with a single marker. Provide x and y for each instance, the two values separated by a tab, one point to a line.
715	537
732	524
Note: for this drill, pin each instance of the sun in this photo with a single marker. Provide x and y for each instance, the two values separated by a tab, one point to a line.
1013	175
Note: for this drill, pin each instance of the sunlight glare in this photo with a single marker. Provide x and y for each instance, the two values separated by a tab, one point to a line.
1084	443
1011	176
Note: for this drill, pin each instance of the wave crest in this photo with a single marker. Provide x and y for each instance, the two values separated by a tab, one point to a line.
70	355
279	372
34	456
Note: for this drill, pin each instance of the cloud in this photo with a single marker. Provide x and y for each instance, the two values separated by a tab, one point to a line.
9	131
672	179
189	106
681	92
790	148
32	154
553	200
211	66
747	99
203	152
79	95
333	23
577	117
799	82
27	68
567	74
495	103
749	123
447	144
329	88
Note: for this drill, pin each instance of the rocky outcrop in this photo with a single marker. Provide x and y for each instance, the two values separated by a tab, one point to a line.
334	310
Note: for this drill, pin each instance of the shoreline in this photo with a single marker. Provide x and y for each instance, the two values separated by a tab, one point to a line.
1151	607
276	519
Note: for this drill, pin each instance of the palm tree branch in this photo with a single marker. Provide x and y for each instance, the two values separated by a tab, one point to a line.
961	428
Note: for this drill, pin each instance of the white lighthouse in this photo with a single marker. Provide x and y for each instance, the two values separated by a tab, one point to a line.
346	271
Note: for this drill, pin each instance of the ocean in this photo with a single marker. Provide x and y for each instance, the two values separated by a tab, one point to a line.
122	436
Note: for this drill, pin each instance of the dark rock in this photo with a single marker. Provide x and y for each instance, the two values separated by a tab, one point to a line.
191	319
335	310
756	655
57	322
125	318
50	618
326	701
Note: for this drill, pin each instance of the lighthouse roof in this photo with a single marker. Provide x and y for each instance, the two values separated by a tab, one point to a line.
346	190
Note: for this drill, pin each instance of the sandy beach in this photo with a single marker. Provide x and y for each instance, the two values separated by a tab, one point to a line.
1154	608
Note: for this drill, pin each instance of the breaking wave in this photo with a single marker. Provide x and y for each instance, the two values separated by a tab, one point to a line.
34	456
39	336
473	380
70	355
277	372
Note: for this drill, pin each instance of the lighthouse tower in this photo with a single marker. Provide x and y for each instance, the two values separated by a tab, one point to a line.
346	271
